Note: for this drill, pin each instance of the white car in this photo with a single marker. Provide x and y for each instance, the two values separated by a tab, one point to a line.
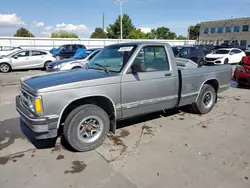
5	50
68	64
25	59
224	56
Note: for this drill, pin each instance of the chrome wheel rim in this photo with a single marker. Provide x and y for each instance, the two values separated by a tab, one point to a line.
4	68
208	99
90	129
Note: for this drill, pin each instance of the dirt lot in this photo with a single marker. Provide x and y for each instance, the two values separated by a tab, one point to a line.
165	150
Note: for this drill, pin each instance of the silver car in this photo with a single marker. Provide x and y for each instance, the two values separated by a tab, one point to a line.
68	64
25	59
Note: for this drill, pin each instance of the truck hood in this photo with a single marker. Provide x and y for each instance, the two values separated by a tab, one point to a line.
65	78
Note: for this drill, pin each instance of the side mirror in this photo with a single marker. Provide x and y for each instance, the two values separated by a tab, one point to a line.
231	53
138	67
15	57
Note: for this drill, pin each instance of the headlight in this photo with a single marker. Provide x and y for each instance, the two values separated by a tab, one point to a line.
31	103
60	66
35	104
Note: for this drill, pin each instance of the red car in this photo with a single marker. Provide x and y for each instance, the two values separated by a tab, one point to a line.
242	72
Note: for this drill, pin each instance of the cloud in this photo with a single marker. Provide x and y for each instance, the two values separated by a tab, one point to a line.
145	29
10	20
46	33
70	27
38	24
48	28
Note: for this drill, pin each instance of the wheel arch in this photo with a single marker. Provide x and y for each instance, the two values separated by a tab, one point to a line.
214	82
102	101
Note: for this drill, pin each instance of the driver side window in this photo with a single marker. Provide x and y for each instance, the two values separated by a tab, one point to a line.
150	59
21	54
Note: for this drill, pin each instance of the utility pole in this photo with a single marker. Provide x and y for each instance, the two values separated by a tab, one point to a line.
103	25
121	3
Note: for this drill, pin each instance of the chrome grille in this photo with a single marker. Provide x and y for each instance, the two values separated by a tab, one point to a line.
24	98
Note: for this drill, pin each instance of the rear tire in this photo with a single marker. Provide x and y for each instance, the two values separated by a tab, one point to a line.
76	68
86	127
206	100
46	65
5	67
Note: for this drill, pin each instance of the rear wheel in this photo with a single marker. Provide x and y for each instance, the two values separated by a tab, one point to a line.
5	67
86	127
76	67
206	100
46	65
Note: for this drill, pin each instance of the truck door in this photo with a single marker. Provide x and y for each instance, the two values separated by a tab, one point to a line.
150	84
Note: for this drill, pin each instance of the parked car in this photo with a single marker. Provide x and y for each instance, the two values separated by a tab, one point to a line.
66	51
224	56
242	72
116	84
73	63
25	59
176	49
5	50
194	53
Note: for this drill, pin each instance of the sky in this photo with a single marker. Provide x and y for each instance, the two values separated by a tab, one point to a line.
83	16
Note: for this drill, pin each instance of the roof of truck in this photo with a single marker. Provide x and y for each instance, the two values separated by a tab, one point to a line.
139	43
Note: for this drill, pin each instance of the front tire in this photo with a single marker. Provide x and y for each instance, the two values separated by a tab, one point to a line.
86	127
206	100
5	67
226	61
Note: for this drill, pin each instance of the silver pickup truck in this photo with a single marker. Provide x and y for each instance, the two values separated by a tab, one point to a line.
122	81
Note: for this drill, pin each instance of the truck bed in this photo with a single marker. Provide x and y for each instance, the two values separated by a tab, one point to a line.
192	79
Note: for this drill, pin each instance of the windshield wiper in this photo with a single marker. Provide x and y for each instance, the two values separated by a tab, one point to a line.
103	66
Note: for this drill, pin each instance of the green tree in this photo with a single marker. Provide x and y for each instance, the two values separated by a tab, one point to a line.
194	32
63	35
99	33
137	34
180	37
161	33
113	31
22	32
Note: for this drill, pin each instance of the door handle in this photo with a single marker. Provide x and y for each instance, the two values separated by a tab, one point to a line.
168	74
26	58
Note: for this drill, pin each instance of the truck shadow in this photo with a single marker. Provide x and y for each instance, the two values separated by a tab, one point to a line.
11	130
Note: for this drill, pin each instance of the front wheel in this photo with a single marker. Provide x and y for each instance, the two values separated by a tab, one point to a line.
226	61
5	67
86	127
206	100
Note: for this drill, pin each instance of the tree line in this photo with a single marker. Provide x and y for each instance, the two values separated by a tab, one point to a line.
129	32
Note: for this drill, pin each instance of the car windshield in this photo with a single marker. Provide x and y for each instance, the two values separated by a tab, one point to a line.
221	52
112	58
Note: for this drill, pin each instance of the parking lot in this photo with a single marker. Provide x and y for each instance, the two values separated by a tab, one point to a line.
173	149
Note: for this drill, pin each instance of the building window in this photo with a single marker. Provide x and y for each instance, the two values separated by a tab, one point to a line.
228	29
245	28
243	44
212	30
205	30
220	30
236	28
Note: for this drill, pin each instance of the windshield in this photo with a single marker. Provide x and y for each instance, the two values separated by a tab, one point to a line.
112	58
221	52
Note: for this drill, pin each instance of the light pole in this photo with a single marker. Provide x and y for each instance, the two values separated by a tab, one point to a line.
121	3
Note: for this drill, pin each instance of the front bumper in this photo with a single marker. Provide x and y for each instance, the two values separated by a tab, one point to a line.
215	62
42	127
